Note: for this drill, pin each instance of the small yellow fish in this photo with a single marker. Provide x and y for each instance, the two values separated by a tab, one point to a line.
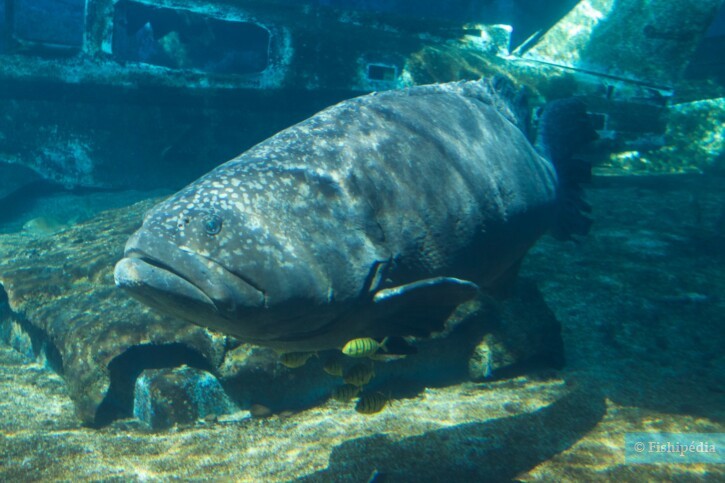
333	367
293	360
359	375
371	403
44	226
345	393
363	347
259	411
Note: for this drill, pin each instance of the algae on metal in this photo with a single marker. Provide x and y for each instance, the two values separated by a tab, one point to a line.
613	36
694	142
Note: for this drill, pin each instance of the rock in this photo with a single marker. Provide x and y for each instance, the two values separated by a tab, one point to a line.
182	395
516	332
525	331
481	364
62	287
16	337
254	376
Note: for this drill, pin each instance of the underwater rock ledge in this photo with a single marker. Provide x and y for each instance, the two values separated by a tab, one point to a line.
63	287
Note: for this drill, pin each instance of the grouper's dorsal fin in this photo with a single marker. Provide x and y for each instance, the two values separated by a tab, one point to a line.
422	307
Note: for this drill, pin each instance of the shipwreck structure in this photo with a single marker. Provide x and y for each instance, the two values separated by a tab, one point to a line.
153	93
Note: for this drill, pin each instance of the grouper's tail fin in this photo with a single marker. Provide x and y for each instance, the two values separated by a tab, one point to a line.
564	129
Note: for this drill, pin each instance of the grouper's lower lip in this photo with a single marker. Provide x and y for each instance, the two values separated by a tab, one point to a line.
169	277
154	284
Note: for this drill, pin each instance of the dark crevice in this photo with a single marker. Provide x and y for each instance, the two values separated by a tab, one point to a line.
125	369
39	340
381	72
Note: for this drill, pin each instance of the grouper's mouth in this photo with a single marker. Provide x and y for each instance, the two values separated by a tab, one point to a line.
181	282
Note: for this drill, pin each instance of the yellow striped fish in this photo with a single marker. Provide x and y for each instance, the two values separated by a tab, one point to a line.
345	393
293	360
359	375
363	347
333	368
371	403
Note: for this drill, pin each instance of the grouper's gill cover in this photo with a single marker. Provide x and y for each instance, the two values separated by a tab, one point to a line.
375	217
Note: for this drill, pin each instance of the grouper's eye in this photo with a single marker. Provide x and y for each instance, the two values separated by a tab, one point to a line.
213	224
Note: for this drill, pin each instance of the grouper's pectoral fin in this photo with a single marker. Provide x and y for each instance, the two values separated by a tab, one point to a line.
422	307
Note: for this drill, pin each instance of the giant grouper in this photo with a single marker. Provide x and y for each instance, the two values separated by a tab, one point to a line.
375	217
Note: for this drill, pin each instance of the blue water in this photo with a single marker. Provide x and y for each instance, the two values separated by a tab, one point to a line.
106	105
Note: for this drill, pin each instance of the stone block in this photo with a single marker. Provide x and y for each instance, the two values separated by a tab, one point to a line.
164	397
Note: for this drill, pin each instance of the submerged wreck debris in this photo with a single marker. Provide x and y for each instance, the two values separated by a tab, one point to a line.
168	72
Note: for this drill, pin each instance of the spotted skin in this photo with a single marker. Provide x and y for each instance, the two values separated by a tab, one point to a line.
294	243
